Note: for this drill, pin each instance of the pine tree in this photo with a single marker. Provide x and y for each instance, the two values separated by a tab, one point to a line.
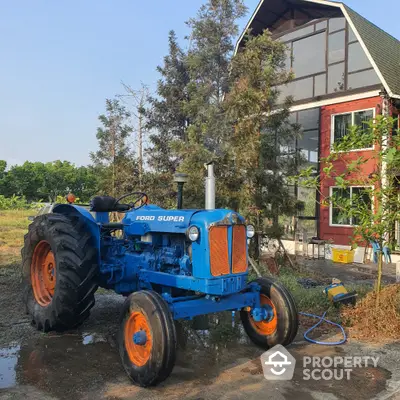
166	115
168	122
114	161
212	39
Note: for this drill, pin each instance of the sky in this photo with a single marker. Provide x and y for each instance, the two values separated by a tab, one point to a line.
60	60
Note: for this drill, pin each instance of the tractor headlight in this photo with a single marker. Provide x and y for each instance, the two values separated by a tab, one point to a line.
193	233
250	231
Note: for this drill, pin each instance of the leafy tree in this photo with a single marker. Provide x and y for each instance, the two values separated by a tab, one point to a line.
57	177
45	181
202	95
3	167
24	180
373	206
114	161
85	183
62	177
262	152
3	174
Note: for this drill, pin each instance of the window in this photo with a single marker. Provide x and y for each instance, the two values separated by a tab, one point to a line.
321	25
342	122
325	57
355	199
309	55
336	45
308	142
320	85
309	119
362	79
298	33
352	35
338	216
336	78
361	200
288	59
358	60
341	125
299	89
336	24
361	118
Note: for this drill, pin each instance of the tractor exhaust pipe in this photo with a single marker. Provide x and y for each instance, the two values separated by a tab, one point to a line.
210	186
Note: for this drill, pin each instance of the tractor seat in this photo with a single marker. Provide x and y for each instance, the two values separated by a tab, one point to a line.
107	204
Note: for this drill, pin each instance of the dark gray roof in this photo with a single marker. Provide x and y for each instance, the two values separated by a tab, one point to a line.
382	47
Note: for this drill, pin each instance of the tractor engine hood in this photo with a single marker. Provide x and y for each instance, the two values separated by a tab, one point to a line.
155	219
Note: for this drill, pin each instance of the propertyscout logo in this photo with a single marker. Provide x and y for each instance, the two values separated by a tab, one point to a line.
278	364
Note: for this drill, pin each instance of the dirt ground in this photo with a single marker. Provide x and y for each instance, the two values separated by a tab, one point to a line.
84	364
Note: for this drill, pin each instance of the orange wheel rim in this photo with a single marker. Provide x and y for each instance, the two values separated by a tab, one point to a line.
265	328
137	324
43	273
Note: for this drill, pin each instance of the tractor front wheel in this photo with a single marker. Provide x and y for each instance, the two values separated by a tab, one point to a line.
59	266
282	327
147	338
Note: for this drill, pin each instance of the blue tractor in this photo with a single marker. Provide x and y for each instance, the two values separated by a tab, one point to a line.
171	265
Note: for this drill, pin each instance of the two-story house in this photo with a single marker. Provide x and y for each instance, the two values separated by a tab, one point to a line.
346	70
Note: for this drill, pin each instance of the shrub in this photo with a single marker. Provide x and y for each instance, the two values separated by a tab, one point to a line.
16	203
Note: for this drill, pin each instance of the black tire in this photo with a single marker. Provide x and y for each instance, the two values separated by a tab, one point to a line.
76	272
157	365
287	321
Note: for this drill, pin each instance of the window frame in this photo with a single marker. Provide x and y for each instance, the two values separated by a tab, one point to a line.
332	141
351	194
308	36
348	41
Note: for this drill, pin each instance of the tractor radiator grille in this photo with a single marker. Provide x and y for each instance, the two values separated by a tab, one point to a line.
239	261
219	257
219	250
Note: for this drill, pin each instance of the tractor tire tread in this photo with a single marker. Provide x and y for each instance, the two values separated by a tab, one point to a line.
159	367
294	323
287	316
170	331
76	271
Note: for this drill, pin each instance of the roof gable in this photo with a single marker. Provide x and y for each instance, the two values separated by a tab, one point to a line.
382	49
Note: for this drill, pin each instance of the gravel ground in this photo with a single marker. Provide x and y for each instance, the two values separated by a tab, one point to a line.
84	363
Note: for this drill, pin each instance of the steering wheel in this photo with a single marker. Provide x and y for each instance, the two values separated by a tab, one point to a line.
141	197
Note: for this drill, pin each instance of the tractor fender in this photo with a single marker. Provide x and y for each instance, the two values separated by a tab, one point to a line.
93	227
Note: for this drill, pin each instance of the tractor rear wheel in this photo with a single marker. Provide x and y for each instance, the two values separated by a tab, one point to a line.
59	267
283	325
147	338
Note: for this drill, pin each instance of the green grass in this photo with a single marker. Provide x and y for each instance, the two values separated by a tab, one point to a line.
307	299
13	226
312	300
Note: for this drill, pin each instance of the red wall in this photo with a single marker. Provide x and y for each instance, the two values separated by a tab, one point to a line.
340	235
